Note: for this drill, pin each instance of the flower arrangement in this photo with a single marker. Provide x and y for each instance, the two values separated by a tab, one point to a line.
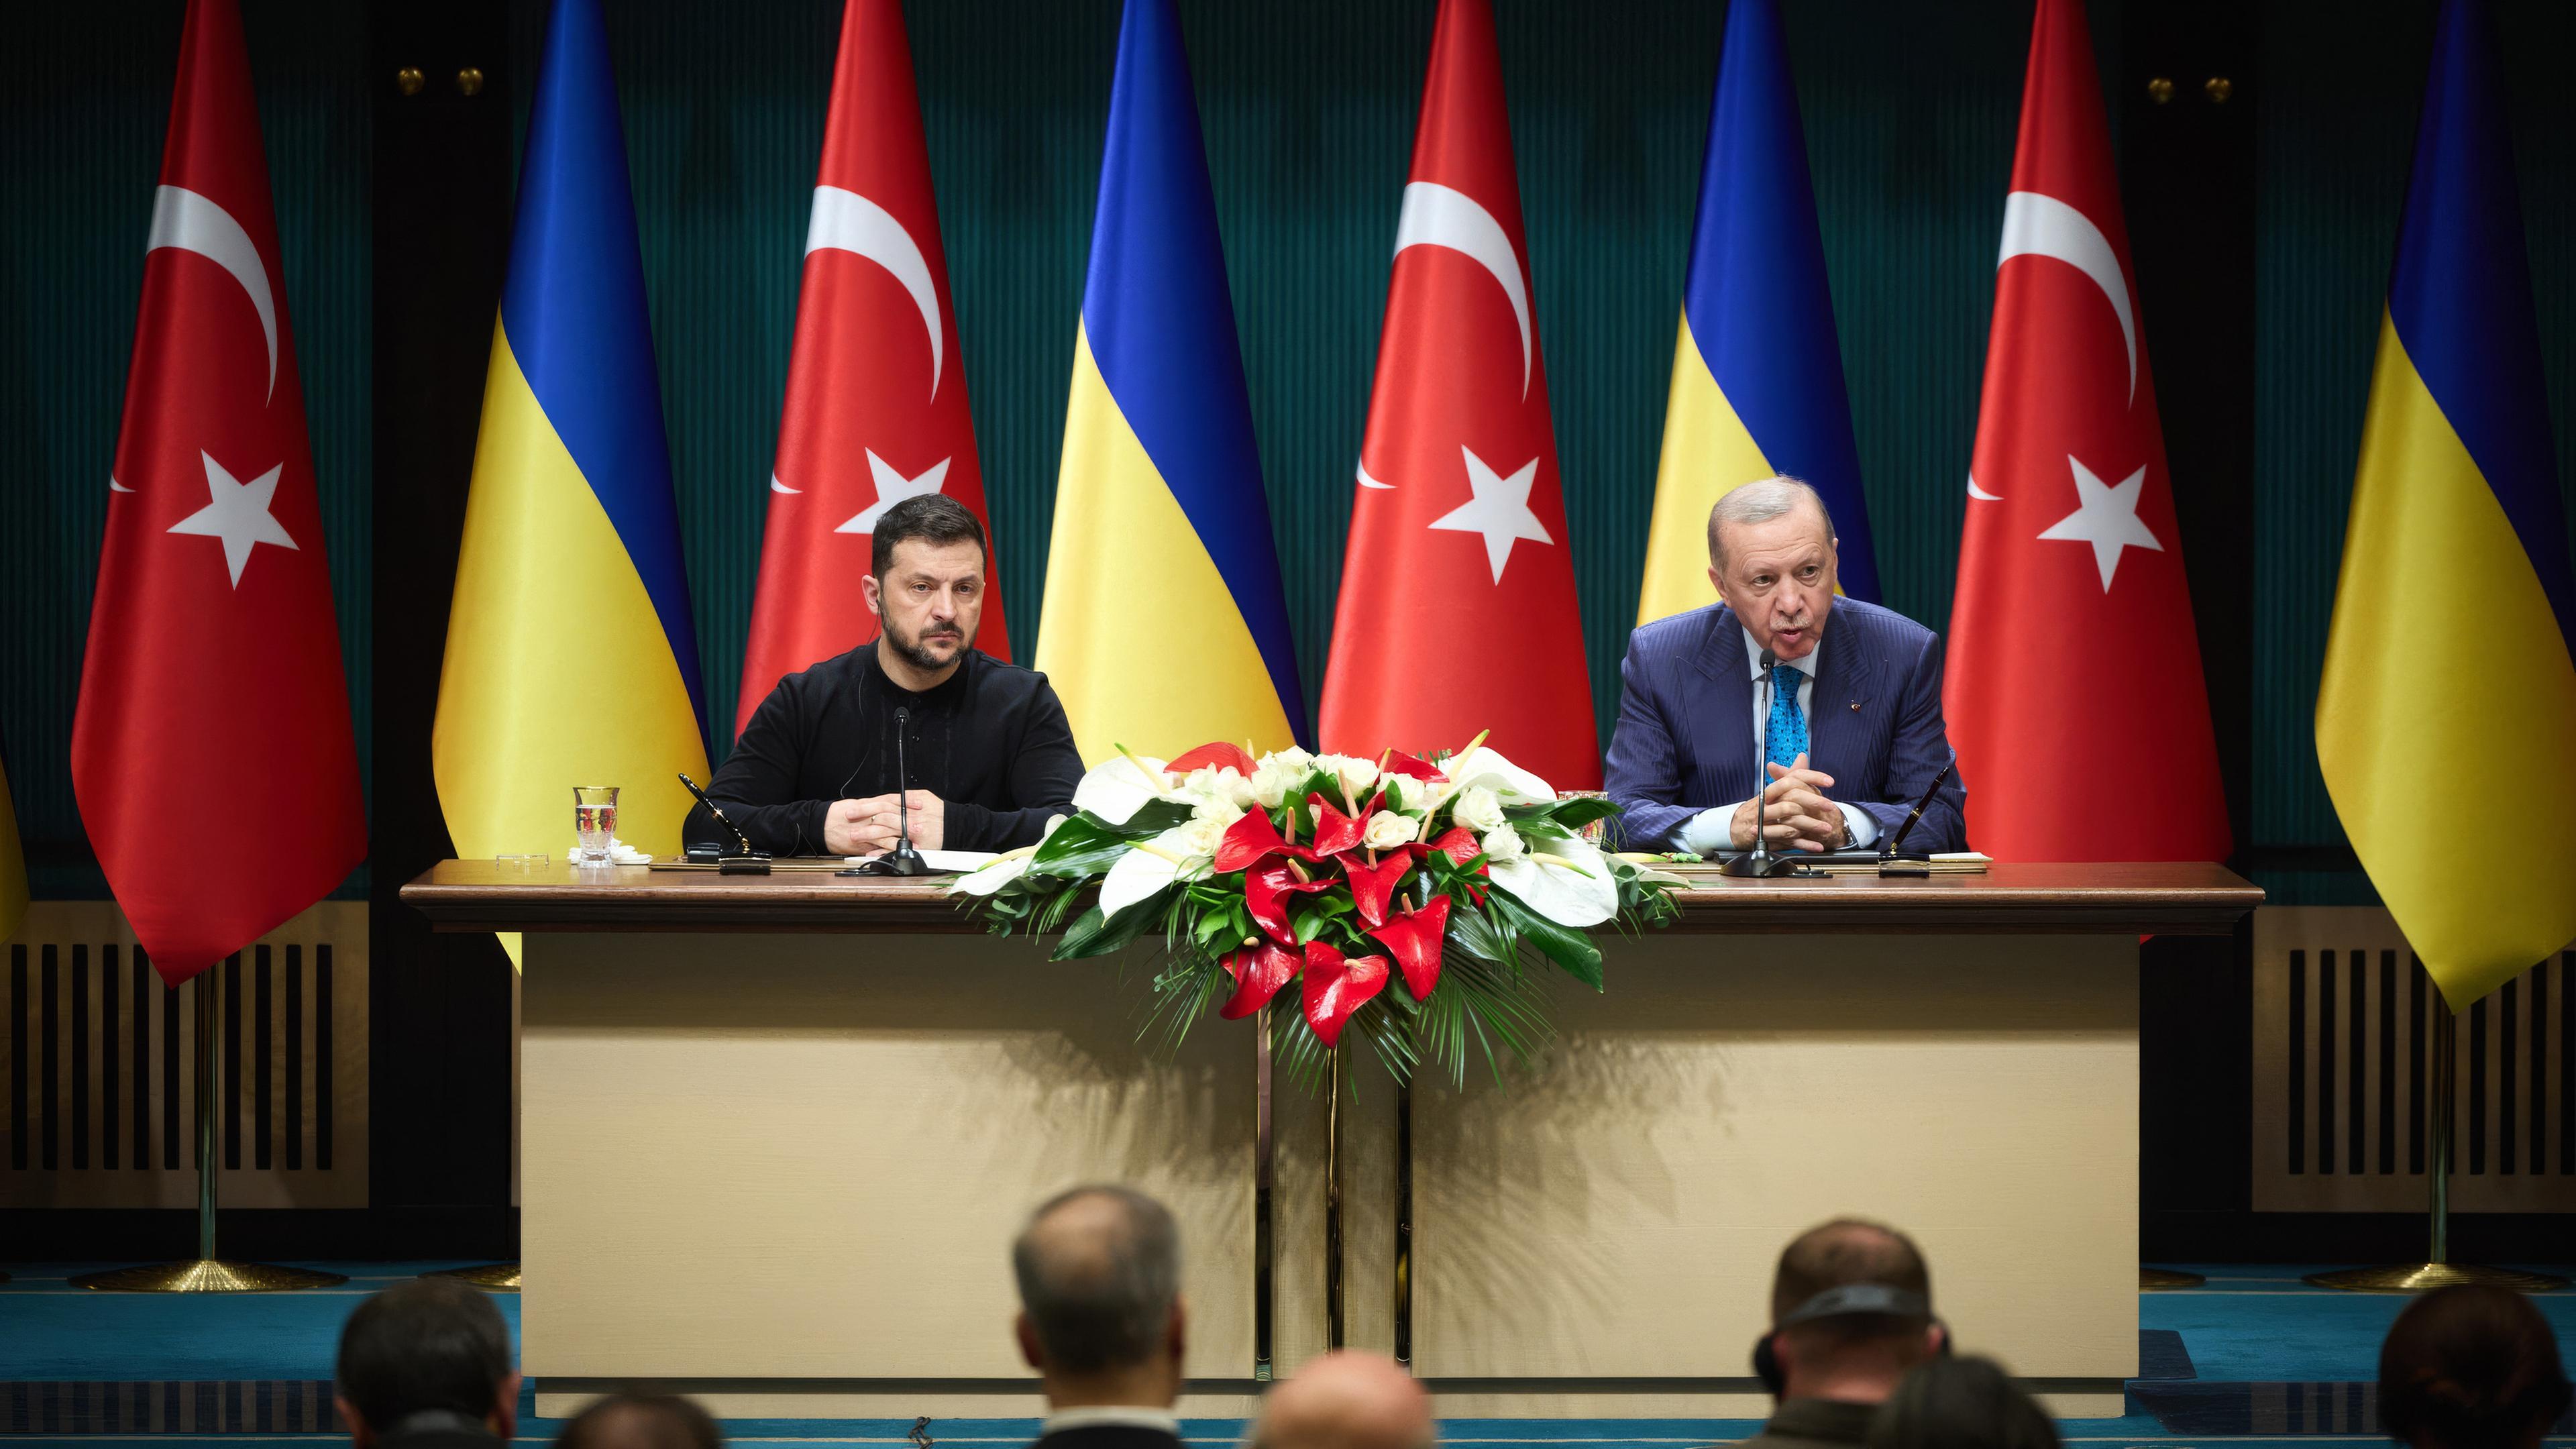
1406	898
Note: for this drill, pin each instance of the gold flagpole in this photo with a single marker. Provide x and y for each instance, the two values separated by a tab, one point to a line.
206	1273
2437	1271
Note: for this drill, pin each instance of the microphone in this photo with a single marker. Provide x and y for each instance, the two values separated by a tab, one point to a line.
903	859
1759	862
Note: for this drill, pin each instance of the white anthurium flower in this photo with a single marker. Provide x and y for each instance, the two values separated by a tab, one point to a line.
1114	789
986	879
1567	881
1149	867
1477	808
1388	829
1512	784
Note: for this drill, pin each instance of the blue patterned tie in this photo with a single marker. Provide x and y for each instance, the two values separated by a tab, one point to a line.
1788	730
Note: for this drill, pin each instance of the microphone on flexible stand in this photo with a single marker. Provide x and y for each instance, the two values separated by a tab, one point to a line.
1759	862
902	859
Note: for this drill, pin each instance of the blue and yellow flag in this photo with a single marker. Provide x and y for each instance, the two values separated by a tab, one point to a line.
13	860
1757	374
1164	625
2448	688
570	656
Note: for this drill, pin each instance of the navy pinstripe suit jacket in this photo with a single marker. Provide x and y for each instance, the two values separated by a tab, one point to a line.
1685	741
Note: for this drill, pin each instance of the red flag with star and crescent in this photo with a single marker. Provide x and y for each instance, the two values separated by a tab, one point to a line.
2074	693
1457	610
211	753
876	392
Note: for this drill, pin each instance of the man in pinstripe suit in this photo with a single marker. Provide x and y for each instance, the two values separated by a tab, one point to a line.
1853	733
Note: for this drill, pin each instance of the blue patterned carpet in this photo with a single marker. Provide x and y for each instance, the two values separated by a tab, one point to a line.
2255	1358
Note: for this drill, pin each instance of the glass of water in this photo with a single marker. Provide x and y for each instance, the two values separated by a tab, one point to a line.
594	823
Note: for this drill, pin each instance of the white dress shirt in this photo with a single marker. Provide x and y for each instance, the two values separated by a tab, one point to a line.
1123	1416
1711	831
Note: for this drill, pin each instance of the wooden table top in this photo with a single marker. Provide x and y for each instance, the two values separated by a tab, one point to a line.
2031	898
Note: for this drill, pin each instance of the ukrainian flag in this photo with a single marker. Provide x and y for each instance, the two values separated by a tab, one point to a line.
570	656
1757	374
13	860
2448	692
1164	625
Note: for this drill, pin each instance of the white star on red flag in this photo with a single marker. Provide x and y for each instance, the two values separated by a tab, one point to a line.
893	488
2107	518
238	514
1500	510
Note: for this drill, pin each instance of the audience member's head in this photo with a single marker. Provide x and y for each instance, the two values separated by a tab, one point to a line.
1960	1403
2470	1368
1851	1312
431	1356
1347	1400
1101	1318
641	1421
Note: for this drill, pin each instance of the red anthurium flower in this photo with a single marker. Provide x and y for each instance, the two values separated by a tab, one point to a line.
1253	839
1217	753
1266	890
1259	972
1335	832
1459	844
1337	985
1399	763
1415	938
1373	885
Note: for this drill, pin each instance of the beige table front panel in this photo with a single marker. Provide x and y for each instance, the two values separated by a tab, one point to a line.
775	1157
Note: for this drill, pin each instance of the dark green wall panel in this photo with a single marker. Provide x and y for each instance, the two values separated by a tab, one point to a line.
81	129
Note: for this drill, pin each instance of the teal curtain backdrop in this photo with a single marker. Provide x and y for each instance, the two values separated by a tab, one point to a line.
1309	110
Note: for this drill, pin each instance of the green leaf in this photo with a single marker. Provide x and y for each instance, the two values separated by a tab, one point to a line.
1472	933
1095	935
1156	816
1563	945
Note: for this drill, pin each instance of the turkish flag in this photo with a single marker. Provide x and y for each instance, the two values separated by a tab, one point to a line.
876	392
2074	691
211	753
1457	609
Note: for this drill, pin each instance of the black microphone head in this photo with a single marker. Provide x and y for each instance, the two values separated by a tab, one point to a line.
902	714
1770	661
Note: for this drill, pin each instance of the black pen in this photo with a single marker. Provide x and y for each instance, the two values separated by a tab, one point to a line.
745	841
1907	828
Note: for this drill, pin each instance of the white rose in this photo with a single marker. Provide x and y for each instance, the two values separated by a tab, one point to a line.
1272	780
1503	843
1356	775
1478	808
1198	839
1293	760
1388	829
1215	782
1427	796
1218	810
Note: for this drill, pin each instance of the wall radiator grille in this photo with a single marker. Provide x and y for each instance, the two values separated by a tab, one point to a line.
2343	1016
98	1065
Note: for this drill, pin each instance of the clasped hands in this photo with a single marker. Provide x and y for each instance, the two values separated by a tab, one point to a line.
864	827
1795	813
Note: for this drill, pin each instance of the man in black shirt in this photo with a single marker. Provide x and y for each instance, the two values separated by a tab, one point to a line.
987	754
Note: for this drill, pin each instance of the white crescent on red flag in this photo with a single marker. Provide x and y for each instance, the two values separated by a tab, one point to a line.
2074	691
1457	610
212	753
876	394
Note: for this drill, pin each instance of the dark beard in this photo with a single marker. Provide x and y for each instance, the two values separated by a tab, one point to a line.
921	658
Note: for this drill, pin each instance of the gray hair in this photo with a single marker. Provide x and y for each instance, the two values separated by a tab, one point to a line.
1760	502
1099	1291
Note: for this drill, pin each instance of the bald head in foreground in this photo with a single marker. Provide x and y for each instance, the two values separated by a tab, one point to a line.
1101	1318
1347	1400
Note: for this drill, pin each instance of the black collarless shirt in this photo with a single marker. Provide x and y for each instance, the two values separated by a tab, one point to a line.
991	741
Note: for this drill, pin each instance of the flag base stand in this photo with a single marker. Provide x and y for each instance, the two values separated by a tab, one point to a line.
2158	1280
2425	1277
499	1277
206	1273
2436	1271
